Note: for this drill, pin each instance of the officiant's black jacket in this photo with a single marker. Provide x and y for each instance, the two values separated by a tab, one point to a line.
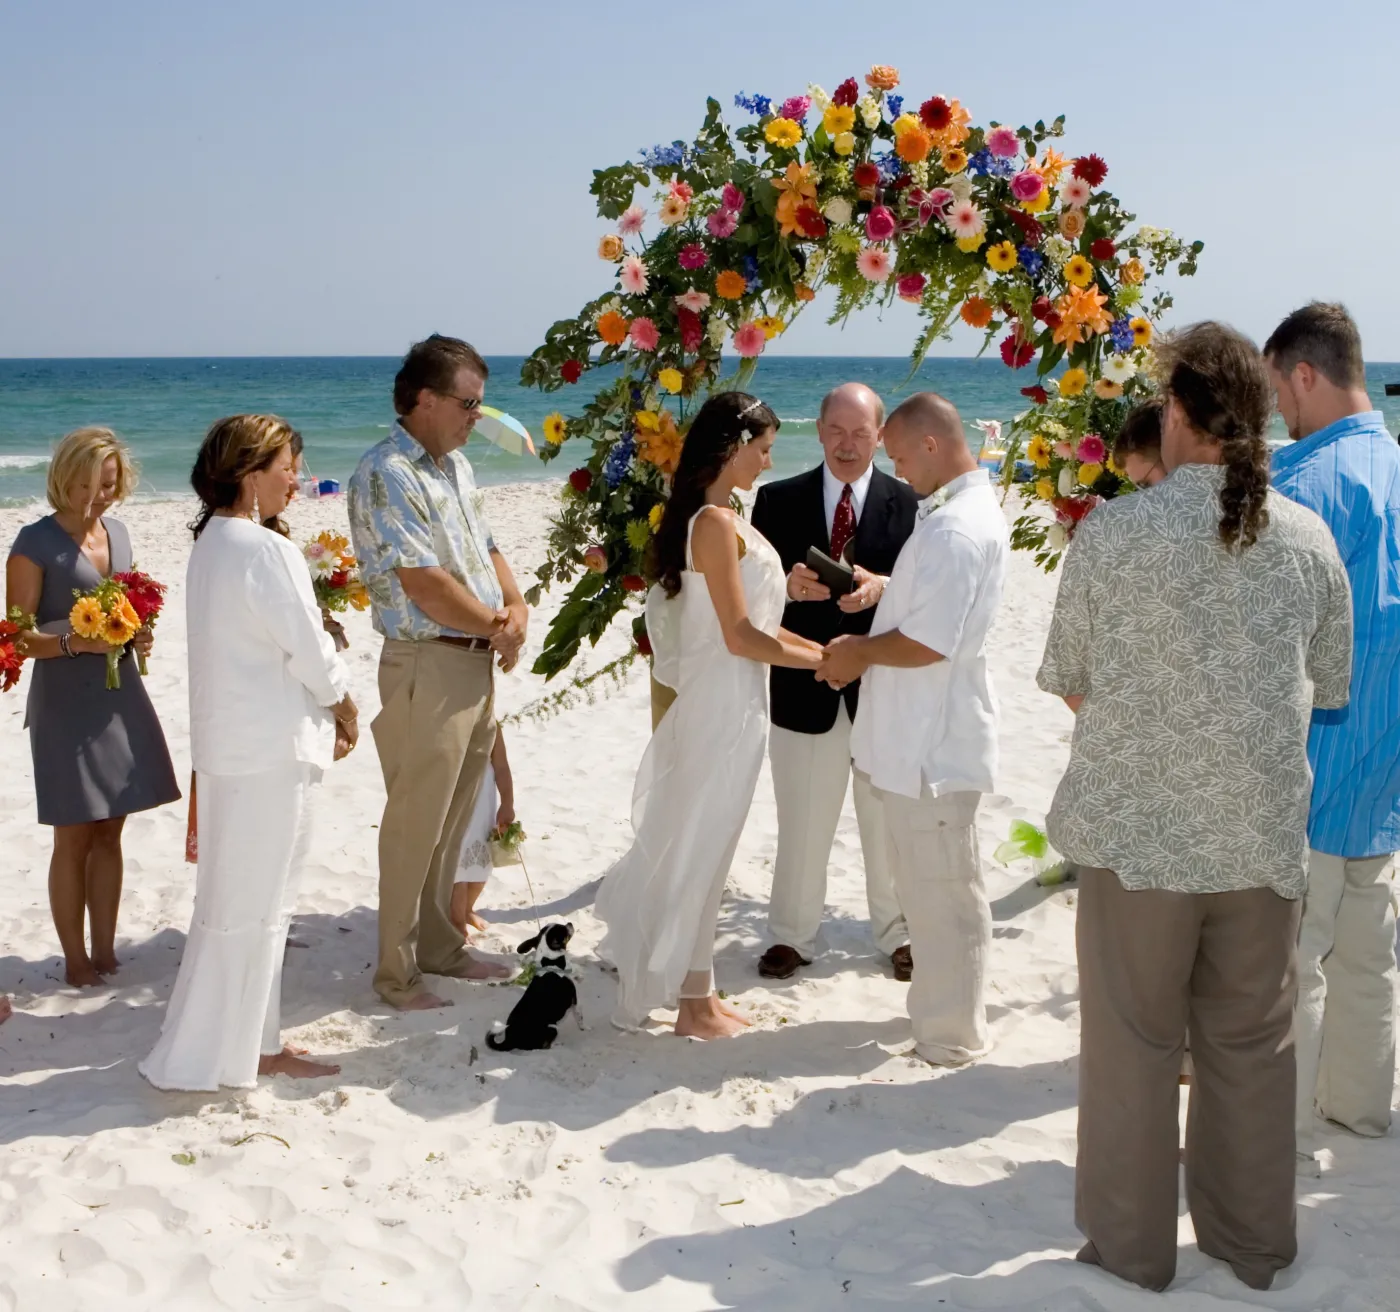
791	514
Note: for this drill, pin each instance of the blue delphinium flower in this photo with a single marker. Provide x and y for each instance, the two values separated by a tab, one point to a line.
896	104
748	266
979	164
1121	331
1002	168
672	156
1031	261
615	466
759	105
890	166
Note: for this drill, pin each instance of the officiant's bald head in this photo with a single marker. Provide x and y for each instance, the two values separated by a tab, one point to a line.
848	426
925	439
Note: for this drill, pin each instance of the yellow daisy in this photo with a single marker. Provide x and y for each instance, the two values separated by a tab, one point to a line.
1002	257
954	159
1073	382
782	132
654	516
837	119
87	617
1142	332
1089	475
555	428
1045	489
1038	451
771	324
1107	390
1079	271
969	244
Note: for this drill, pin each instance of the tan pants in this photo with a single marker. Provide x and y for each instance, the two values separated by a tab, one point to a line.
434	735
1152	964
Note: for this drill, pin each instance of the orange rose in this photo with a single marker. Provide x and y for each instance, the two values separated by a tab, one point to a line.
611	247
1071	225
1133	272
730	286
612	328
882	77
976	313
913	145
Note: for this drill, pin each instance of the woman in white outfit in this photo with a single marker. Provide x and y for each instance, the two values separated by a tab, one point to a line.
714	621
269	711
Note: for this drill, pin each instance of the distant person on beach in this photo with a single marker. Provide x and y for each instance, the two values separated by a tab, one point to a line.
1137	450
660	902
1194	631
494	812
1344	465
270	711
849	510
448	606
99	753
925	736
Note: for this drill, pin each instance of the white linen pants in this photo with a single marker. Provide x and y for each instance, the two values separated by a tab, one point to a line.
225	1009
1345	1018
810	772
938	877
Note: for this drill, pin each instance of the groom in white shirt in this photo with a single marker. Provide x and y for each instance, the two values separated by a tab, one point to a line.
926	731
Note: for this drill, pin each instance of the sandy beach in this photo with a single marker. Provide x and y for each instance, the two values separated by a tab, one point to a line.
807	1165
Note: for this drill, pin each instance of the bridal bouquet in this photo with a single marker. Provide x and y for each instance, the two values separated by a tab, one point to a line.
147	598
11	657
335	578
106	614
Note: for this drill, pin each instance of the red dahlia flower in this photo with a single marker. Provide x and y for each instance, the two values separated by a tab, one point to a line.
581	480
571	371
1015	353
866	175
1030	229
810	222
1091	168
1042	309
1037	394
847	93
1103	249
936	114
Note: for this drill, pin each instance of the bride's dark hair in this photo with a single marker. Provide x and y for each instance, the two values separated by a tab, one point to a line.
724	423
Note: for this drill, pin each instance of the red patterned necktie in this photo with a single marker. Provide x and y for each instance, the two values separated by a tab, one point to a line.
843	524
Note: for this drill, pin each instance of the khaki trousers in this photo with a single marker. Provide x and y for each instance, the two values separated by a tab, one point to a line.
434	734
1346	996
810	774
932	843
1152	964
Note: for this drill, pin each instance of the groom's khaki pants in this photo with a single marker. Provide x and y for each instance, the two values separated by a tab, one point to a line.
810	773
938	877
434	733
1345	1020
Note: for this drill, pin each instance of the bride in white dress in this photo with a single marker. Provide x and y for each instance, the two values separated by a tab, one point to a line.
714	621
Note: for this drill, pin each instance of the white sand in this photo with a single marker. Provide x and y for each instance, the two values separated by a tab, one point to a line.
809	1165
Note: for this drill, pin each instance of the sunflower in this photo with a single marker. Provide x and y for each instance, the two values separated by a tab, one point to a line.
954	159
555	429
87	617
837	119
729	286
1045	489
1002	257
1074	382
117	629
1038	451
1142	332
782	132
1079	271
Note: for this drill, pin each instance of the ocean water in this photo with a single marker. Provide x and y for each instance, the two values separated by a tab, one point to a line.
163	407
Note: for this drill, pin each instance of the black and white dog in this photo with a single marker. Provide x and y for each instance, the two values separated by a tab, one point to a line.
551	995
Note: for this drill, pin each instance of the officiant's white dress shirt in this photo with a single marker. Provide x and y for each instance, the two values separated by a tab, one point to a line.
833	487
935	728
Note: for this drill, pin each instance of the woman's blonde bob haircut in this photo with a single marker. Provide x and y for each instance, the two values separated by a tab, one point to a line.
81	455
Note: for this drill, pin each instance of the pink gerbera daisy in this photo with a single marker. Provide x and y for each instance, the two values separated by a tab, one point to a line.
732	198
1074	193
749	340
964	220
1091	450
634	276
1003	142
874	263
722	223
630	224
695	302
692	256
643	334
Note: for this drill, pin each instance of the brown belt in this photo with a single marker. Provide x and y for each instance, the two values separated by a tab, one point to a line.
470	644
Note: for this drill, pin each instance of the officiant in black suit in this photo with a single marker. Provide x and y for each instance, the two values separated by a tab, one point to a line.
848	509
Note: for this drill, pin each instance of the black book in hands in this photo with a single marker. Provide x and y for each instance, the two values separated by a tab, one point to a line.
836	574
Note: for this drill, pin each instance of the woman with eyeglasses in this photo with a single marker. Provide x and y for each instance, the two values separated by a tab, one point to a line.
1137	450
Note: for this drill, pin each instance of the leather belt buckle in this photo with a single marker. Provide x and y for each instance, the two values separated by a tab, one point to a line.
468	644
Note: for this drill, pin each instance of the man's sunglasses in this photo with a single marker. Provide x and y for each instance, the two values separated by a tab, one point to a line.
468	403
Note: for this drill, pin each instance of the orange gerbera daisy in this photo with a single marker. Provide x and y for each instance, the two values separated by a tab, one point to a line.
1082	313
87	617
729	286
913	144
796	188
976	312
612	328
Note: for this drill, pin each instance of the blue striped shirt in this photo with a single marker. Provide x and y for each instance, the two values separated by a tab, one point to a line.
1349	473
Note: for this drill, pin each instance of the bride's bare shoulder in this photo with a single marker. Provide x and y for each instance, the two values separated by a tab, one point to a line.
714	528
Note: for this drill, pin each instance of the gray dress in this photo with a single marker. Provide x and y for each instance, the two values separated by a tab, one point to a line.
98	754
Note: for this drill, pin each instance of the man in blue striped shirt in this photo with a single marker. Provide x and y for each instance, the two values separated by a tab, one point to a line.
1346	467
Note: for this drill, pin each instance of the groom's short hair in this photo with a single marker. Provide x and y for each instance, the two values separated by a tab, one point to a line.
1324	336
433	364
928	412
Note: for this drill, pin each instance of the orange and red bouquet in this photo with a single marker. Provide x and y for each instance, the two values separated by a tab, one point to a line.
107	615
12	654
147	597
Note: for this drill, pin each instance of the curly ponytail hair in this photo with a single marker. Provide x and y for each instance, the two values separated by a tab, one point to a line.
232	449
1219	379
724	423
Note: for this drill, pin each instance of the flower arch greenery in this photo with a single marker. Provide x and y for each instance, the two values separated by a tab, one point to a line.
852	191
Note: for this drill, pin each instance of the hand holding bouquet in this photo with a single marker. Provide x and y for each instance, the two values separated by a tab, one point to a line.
335	579
105	615
12	653
147	597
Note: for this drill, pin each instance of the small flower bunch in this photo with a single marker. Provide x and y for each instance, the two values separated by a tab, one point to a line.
11	651
147	598
505	844
335	575
106	615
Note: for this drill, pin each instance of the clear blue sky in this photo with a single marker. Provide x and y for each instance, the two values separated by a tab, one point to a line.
342	176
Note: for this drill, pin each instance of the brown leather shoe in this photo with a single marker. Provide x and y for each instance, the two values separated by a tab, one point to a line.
902	959
781	962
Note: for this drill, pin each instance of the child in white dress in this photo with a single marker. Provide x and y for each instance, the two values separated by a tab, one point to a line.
494	810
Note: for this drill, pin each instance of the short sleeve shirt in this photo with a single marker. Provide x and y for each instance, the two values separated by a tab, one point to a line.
408	512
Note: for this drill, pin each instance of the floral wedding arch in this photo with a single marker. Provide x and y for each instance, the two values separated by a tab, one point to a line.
855	192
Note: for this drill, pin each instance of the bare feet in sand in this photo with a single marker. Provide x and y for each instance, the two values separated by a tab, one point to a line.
423	1002
82	975
476	922
475	968
106	965
289	1062
708	1018
731	1012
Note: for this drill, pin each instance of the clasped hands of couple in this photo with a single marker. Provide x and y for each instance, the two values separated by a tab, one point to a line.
841	658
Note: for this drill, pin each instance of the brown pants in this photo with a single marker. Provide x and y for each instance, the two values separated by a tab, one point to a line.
434	733
1152	964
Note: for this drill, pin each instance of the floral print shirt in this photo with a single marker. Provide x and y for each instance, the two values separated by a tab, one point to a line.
406	512
1199	668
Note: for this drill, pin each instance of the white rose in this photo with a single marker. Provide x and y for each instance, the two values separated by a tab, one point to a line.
869	109
961	187
1057	537
1066	484
717	331
838	210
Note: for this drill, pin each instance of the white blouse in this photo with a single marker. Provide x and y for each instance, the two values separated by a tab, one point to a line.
262	668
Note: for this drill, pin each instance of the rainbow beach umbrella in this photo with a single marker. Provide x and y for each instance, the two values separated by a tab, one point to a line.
504	431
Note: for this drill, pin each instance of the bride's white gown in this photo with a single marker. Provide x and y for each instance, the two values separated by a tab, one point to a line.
660	902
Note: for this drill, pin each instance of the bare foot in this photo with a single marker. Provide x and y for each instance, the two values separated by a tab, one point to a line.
83	975
722	1006
478	969
702	1018
288	1063
423	1002
475	921
106	965
6	1010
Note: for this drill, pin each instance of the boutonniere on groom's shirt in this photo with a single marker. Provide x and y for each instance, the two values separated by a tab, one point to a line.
935	502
